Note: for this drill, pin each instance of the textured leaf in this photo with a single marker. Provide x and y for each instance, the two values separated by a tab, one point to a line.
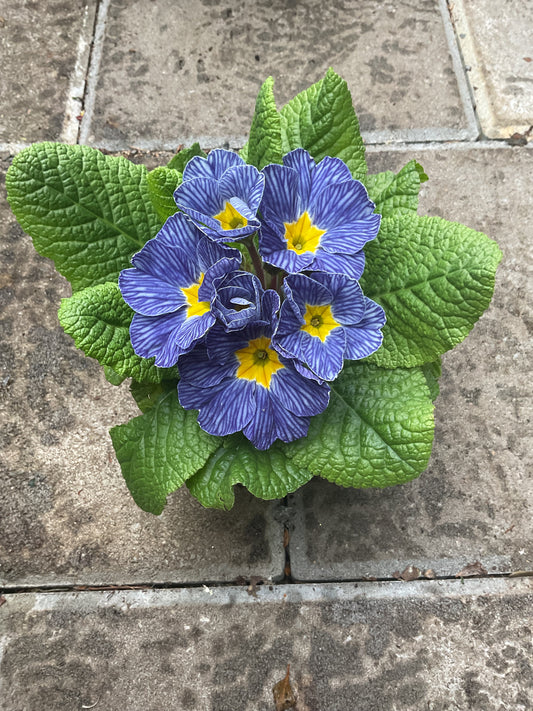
376	431
159	450
146	395
322	120
432	372
266	474
86	211
98	319
396	192
180	160
434	279
161	185
112	377
264	146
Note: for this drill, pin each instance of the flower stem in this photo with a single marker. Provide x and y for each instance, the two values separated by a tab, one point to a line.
256	261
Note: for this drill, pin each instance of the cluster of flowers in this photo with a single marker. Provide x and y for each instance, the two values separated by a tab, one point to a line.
256	349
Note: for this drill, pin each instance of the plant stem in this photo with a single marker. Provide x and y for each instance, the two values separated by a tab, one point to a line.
256	261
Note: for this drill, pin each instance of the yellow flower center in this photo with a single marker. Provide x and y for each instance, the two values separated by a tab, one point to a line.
195	307
319	321
258	361
302	235
230	219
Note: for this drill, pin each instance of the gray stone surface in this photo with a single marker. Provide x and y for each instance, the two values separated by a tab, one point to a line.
170	73
66	516
496	41
475	501
426	645
45	50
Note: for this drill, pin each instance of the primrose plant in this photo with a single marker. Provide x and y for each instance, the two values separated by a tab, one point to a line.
280	312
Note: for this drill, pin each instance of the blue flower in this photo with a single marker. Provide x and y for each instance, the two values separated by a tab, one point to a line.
237	300
170	287
315	217
238	382
324	319
222	195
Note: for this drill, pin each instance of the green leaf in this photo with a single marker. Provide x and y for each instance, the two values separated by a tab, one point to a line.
161	185
86	211
432	372
266	474
180	160
159	450
98	319
377	430
322	120
112	377
434	279
146	395
264	146
396	193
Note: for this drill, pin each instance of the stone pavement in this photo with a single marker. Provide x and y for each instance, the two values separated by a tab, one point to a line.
450	87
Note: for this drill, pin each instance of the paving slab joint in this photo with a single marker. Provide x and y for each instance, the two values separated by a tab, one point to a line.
253	583
77	88
93	70
461	71
83	100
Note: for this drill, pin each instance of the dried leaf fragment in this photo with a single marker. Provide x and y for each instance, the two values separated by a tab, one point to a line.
472	570
410	573
284	696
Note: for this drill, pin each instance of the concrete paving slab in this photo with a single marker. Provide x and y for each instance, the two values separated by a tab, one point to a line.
496	42
66	516
45	52
426	645
475	501
176	73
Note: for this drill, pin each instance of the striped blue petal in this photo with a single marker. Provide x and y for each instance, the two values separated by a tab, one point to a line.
365	337
192	397
172	255
230	410
280	197
192	330
341	203
210	253
297	394
273	250
270	307
149	295
348	301
221	345
305	290
290	319
327	172
288	426
199	196
243	182
197	369
261	430
351	236
237	299
324	358
214	166
352	265
156	336
224	266
289	261
301	161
